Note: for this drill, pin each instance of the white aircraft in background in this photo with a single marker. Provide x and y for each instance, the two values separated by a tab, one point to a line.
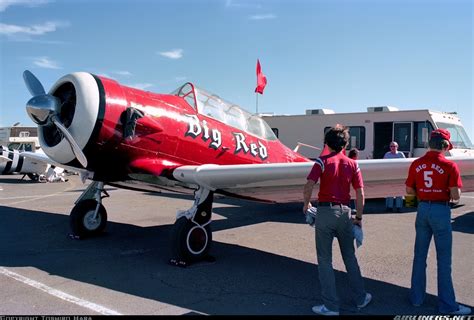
11	161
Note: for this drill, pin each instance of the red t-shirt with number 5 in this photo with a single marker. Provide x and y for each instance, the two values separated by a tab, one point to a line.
432	175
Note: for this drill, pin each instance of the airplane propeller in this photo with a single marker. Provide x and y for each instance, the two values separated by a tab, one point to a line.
44	110
33	84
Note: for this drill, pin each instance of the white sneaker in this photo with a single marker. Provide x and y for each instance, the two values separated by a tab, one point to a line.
462	310
368	298
322	310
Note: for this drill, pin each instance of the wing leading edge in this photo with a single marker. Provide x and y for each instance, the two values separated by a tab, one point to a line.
283	182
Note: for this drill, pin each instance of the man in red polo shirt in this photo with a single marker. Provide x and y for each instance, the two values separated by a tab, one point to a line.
435	180
336	173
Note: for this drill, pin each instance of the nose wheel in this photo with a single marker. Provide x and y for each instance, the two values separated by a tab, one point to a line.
88	218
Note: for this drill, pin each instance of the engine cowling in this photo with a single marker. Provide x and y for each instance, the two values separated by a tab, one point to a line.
79	97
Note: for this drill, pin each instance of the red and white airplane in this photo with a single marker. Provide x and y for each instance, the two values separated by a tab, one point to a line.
12	161
189	140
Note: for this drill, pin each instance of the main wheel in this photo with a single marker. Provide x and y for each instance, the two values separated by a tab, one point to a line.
82	219
33	176
191	242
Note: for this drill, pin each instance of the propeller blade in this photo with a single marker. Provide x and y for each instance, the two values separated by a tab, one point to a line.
33	84
74	146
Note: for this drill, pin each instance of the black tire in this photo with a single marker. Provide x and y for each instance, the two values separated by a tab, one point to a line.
190	242
80	219
33	176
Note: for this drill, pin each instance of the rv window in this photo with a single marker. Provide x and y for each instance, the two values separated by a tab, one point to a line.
402	135
422	133
459	137
356	137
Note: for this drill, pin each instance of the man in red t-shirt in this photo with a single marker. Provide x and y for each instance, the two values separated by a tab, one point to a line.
336	173
435	180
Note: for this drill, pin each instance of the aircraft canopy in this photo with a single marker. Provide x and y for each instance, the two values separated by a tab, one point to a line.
213	106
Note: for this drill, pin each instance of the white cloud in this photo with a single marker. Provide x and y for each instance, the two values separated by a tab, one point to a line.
141	86
123	73
4	4
24	32
172	54
45	62
263	16
241	4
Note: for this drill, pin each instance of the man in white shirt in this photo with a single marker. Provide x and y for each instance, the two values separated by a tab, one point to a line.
393	154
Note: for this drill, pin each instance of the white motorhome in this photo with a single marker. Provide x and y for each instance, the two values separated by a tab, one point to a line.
372	131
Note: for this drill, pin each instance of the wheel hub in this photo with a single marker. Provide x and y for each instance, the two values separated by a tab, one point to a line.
89	222
197	240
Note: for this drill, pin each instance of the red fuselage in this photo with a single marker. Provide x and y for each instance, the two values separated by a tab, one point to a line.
169	133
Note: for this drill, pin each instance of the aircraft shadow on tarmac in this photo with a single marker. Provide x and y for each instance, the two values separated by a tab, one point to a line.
134	260
464	223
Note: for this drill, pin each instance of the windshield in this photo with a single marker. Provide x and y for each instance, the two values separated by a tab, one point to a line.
215	107
459	137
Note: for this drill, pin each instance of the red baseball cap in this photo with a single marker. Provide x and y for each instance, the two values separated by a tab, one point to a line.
444	134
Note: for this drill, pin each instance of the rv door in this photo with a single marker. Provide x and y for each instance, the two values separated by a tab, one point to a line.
402	134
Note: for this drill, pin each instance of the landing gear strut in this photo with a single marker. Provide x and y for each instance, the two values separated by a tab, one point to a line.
192	235
89	217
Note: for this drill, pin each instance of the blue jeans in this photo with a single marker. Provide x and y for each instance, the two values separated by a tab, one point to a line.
391	204
433	219
334	222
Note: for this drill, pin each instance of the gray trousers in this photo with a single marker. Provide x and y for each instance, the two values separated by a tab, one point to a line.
335	222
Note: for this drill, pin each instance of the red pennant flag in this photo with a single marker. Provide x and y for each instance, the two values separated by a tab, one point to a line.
261	79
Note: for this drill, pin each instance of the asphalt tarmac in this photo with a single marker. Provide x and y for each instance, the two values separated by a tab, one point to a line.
265	257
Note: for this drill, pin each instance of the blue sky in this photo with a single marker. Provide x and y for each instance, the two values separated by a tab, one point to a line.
345	55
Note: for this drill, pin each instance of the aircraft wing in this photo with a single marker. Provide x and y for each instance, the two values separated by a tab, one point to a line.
283	182
246	175
41	157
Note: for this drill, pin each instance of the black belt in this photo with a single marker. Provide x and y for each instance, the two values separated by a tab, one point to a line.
435	202
330	204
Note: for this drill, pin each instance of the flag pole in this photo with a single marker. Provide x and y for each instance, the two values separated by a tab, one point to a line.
256	104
